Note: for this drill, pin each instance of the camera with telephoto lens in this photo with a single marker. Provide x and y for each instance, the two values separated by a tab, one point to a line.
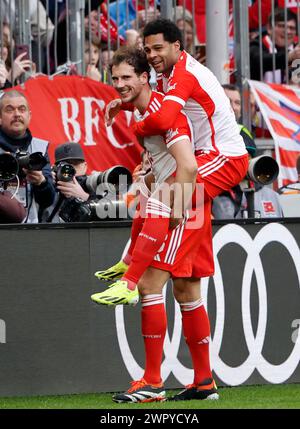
116	179
263	170
107	185
11	164
77	210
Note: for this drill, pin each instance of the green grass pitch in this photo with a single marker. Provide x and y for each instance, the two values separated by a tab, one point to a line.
286	396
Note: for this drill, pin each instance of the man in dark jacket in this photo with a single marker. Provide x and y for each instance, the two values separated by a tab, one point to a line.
283	34
34	188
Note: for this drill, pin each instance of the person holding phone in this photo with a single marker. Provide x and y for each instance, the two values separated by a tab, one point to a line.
9	76
21	64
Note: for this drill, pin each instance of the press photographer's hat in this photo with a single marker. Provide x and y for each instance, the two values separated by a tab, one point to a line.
68	151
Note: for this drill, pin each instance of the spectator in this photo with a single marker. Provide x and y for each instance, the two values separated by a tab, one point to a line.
33	188
234	95
133	38
91	58
74	188
21	65
42	28
145	15
61	28
105	58
184	20
4	83
6	34
279	74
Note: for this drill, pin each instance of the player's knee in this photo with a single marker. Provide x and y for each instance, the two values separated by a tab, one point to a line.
146	287
186	290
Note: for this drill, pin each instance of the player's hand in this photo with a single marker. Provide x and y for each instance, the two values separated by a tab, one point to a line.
112	109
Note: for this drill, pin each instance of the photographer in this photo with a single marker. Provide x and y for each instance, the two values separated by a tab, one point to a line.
32	186
72	187
72	154
82	198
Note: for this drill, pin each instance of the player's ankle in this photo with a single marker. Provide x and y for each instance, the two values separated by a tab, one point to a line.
127	259
131	285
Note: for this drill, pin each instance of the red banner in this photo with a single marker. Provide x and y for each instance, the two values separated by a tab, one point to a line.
71	108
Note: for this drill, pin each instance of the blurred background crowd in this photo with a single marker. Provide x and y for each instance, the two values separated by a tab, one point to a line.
257	40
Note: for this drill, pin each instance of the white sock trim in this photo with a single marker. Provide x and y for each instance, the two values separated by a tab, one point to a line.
189	306
152	299
158	208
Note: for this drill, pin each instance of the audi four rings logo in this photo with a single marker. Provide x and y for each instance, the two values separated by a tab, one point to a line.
233	376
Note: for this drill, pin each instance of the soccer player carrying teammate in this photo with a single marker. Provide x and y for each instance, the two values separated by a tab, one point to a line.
222	162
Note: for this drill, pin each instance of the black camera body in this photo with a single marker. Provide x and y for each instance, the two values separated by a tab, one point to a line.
76	210
11	164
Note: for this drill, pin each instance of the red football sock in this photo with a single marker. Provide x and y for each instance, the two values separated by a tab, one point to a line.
196	329
150	239
154	325
137	225
138	219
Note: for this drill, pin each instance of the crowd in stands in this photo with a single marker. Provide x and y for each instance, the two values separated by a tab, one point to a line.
106	30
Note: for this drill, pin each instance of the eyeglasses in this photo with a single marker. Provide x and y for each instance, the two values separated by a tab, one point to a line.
282	26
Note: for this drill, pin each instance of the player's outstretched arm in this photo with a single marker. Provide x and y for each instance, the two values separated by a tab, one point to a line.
113	108
159	122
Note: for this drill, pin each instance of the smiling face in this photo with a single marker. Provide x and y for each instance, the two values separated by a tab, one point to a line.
279	32
161	55
14	116
128	84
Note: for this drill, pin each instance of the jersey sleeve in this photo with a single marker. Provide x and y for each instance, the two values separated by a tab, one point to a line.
180	132
180	89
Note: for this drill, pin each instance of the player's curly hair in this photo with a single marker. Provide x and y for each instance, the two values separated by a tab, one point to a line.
167	28
135	57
